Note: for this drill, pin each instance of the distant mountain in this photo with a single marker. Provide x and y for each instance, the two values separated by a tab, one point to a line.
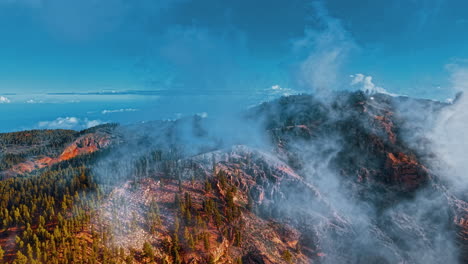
342	179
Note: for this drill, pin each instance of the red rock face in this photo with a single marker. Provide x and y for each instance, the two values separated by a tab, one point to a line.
405	171
86	144
387	124
460	221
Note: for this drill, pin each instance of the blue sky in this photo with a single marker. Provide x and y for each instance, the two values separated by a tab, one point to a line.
201	52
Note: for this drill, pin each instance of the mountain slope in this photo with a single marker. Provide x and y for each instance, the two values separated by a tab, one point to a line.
345	179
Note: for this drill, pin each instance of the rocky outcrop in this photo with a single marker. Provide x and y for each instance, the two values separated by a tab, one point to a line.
406	171
86	144
83	145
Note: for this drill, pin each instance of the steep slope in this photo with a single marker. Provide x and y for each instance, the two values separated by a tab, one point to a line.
363	142
352	178
22	154
210	217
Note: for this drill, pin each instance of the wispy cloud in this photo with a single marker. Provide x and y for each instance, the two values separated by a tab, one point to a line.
68	123
326	50
65	18
32	101
119	111
155	93
4	100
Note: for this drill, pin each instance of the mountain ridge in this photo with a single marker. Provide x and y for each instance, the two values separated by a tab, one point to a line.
302	181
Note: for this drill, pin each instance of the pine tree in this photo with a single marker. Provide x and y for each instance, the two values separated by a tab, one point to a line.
129	259
250	202
191	242
148	251
176	225
20	258
2	253
208	186
211	260
30	252
287	256
206	241
177	258
213	160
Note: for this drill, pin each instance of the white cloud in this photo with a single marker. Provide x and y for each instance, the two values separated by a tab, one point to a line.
119	111
32	101
276	87
366	85
325	52
4	100
61	122
449	137
278	90
459	75
92	123
68	123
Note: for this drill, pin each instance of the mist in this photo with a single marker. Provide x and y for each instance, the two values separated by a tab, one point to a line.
304	153
353	219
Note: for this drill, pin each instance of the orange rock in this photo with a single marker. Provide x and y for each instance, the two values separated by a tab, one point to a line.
83	145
